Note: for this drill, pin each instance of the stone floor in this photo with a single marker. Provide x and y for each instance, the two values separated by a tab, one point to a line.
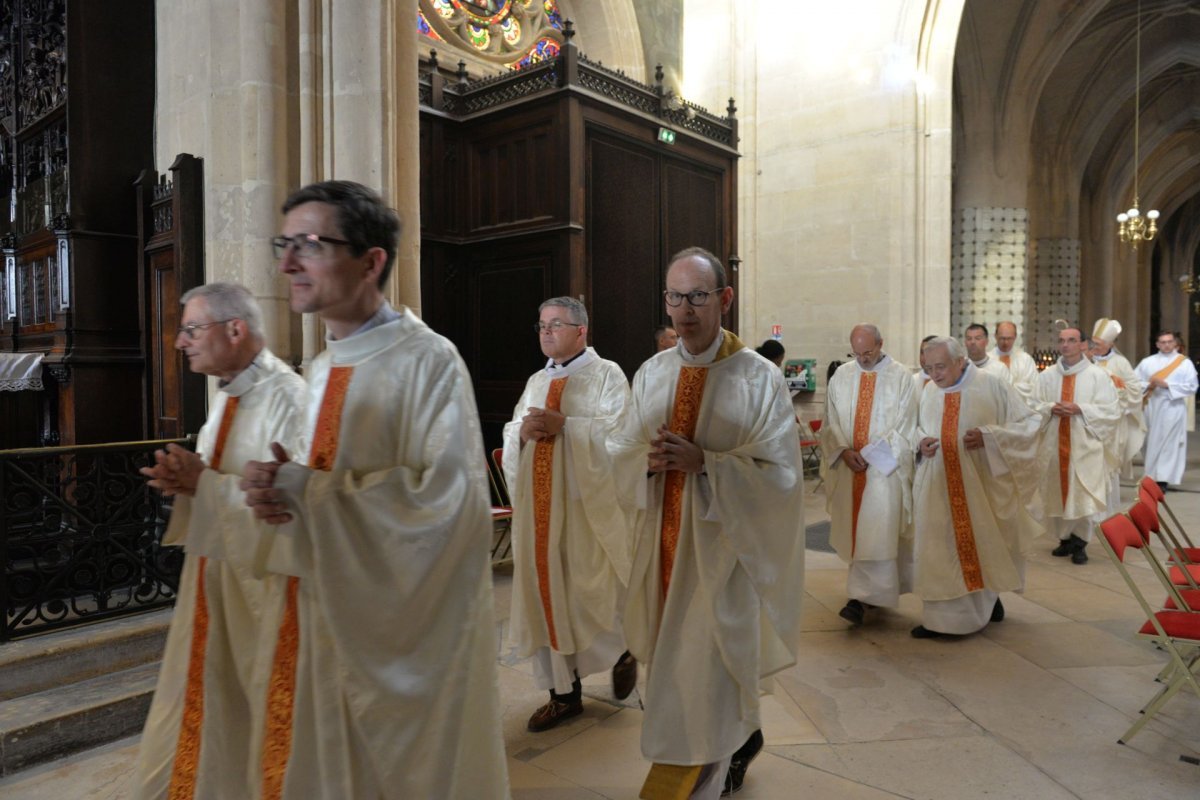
1030	708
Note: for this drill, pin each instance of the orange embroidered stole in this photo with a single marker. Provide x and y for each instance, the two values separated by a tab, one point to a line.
688	392
187	746
862	433
543	478
1064	439
960	512
1006	361
1163	373
281	690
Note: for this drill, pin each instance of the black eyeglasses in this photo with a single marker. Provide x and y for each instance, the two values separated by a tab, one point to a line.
305	245
190	330
554	325
696	298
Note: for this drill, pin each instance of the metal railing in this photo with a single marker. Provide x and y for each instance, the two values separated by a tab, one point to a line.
81	537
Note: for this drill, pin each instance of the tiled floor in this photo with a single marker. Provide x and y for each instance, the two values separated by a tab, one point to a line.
1030	709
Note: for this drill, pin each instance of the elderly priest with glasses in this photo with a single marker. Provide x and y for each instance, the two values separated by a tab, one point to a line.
570	544
197	741
707	462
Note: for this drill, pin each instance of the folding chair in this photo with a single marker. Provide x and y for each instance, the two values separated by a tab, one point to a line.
810	453
1144	514
1159	497
1170	629
501	510
1181	545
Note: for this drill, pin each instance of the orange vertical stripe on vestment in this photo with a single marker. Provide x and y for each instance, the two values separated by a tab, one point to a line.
960	512
543	479
281	689
688	392
862	433
1064	440
187	746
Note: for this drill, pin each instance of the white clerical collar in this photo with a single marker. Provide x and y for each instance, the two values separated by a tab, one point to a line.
878	365
982	363
708	356
244	381
1001	353
1079	366
967	373
572	364
1105	357
382	316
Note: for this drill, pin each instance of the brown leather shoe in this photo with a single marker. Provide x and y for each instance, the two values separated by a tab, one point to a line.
624	675
552	713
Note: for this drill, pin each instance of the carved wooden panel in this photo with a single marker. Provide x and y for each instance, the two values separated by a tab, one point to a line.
623	251
512	174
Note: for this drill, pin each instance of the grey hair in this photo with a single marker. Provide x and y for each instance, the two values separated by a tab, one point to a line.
953	346
869	328
230	301
576	309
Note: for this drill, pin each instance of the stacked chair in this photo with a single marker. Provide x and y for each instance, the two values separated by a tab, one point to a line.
1174	626
502	512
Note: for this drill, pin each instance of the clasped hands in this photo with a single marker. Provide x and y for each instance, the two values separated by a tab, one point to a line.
1065	410
258	482
670	451
972	440
541	423
176	470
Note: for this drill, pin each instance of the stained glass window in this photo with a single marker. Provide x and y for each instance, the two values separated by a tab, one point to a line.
509	33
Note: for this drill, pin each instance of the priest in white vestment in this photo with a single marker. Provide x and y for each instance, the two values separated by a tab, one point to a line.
1131	430
382	665
570	543
1021	366
1078	444
1170	379
707	461
197	741
975	338
868	439
975	495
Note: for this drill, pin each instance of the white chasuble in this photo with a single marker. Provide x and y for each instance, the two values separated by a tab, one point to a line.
1131	431
1021	368
1166	414
869	511
197	742
383	677
975	510
570	543
718	558
1079	452
995	368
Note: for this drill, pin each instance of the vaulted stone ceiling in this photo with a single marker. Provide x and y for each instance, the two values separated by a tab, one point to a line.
1045	120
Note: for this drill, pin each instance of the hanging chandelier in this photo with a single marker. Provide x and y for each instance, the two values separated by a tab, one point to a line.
1134	226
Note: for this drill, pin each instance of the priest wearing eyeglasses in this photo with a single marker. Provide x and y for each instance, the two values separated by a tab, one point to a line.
570	544
707	464
197	741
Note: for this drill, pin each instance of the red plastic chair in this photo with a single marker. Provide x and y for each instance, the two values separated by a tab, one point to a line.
1172	629
1175	529
810	452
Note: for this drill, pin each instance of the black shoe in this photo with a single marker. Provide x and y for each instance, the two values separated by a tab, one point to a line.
998	611
1065	548
1080	555
624	675
921	632
853	612
740	762
1162	485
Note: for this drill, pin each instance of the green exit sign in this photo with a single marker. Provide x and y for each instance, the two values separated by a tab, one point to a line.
666	136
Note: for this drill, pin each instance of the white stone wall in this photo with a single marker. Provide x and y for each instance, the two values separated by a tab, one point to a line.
844	181
988	268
